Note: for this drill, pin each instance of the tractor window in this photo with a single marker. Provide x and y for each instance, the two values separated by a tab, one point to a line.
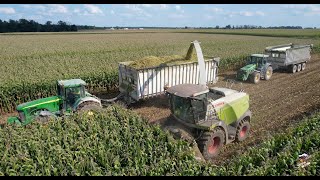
72	94
82	91
59	90
255	60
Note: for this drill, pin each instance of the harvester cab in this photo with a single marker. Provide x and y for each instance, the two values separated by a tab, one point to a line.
256	68
71	97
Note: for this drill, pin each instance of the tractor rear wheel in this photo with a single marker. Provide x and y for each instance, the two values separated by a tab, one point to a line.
210	143
268	74
243	129
255	77
299	67
88	107
303	66
293	68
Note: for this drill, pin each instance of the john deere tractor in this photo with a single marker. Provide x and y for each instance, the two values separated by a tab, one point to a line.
71	97
256	68
208	117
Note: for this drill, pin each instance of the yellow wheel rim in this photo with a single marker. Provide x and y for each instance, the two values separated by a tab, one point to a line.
268	72
257	77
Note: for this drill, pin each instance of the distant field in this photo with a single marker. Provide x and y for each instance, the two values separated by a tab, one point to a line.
298	33
49	57
30	60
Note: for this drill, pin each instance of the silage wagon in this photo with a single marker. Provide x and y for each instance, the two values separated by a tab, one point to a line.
141	83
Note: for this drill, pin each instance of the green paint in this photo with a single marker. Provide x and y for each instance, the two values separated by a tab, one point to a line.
47	102
244	73
232	111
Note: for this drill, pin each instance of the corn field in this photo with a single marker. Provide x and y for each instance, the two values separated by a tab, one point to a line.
279	156
114	142
117	141
31	64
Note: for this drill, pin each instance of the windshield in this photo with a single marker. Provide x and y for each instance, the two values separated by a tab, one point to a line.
189	109
254	60
73	94
181	108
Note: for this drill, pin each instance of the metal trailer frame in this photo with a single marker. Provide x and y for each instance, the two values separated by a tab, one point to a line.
150	82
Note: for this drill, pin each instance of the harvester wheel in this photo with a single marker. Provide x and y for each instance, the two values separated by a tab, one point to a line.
293	68
210	143
299	68
255	77
268	73
303	66
88	107
242	130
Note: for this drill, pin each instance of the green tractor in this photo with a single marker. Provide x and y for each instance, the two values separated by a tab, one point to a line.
208	118
71	97
257	68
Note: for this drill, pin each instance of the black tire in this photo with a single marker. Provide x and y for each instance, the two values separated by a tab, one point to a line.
255	77
298	67
293	68
210	143
88	107
243	130
268	73
303	66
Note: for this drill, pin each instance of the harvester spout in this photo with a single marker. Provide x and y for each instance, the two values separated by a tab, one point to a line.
202	76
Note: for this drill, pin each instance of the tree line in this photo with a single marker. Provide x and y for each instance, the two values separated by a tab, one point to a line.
24	25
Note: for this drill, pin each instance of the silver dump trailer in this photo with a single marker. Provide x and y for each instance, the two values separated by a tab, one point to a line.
289	56
136	84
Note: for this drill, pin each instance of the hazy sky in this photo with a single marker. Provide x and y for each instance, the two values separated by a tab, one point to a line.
170	15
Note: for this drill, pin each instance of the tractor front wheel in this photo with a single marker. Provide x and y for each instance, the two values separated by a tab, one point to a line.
210	143
268	73
88	107
255	77
243	129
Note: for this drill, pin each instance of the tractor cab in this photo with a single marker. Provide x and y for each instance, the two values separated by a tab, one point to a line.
258	60
70	92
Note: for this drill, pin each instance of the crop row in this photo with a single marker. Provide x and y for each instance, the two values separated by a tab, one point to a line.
116	141
280	155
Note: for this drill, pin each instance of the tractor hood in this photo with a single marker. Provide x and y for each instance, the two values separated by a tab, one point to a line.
245	71
248	67
38	102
